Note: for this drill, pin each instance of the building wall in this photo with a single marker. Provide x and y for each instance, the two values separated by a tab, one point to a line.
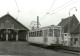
75	40
15	29
9	22
79	40
66	39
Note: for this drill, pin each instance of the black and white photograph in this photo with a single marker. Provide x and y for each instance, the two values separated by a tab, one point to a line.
39	27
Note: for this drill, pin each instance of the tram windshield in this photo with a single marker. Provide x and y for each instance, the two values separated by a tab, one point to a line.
57	32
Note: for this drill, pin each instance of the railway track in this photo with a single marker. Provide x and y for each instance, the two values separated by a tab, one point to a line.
57	49
26	49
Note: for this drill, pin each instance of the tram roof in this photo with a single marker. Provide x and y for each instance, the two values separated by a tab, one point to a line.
46	27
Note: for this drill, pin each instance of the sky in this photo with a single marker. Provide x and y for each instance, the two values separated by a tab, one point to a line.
50	12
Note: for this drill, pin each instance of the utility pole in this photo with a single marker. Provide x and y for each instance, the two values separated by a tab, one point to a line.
69	18
37	21
69	23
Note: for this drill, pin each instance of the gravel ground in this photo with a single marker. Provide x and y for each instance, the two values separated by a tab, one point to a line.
24	49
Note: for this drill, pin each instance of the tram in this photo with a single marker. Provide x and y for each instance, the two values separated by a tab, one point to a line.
48	36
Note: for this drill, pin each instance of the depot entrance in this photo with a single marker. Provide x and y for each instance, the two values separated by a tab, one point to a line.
7	34
12	35
11	29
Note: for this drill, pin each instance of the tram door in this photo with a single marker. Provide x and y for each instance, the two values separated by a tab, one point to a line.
45	36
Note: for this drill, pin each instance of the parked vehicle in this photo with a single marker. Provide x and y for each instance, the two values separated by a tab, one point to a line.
47	36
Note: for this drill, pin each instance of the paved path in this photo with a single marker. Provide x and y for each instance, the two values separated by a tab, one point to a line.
23	49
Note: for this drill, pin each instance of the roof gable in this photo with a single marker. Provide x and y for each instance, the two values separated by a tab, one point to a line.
17	24
65	21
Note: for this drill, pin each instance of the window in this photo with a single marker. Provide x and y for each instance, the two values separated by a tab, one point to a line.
56	32
32	34
29	34
75	40
50	32
40	34
65	34
35	34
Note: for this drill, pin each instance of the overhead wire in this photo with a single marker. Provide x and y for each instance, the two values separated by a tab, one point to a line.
17	5
17	8
57	8
51	6
49	9
62	5
65	6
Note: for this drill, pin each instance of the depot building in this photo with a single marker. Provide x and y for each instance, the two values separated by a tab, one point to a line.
11	29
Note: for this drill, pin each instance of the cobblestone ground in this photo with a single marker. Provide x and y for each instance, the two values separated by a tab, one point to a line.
24	49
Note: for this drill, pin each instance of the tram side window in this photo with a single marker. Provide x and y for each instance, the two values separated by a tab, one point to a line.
50	32
56	32
29	34
32	34
35	34
40	34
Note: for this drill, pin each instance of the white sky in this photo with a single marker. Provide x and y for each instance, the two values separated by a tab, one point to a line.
30	9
